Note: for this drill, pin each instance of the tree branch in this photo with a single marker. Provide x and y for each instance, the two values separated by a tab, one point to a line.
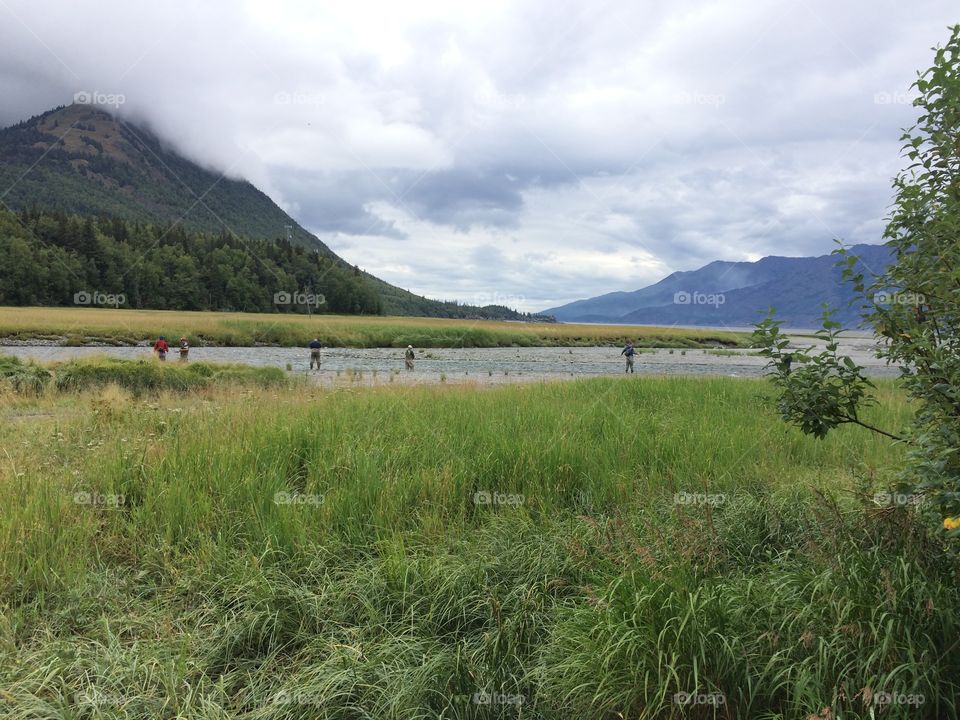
868	426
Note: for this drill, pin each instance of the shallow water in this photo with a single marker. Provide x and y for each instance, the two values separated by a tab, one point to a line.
476	364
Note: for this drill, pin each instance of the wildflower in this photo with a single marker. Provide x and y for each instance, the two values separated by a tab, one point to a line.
951	523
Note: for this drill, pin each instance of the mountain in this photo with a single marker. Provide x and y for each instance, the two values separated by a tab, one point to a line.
735	293
82	161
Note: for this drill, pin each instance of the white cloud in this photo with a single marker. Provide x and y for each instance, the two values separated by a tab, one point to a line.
541	150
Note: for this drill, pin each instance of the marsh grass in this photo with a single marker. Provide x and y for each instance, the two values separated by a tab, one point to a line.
77	326
136	376
390	553
142	376
23	377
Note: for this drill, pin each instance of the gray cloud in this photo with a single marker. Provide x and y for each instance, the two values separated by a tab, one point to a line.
463	198
532	150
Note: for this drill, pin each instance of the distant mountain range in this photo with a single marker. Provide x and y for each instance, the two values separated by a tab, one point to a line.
82	160
735	294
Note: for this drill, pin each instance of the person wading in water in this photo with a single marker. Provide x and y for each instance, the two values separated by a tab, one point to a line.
315	347
408	357
161	348
629	352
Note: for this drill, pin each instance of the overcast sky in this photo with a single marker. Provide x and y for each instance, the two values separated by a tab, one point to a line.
528	153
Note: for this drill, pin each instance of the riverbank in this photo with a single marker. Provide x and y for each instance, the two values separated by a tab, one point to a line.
85	326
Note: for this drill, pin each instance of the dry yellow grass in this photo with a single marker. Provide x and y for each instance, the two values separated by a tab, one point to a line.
80	325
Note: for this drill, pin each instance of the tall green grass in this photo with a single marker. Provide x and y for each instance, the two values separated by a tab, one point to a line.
331	554
24	377
136	376
141	376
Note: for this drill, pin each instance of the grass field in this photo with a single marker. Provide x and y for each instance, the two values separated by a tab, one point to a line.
81	325
609	548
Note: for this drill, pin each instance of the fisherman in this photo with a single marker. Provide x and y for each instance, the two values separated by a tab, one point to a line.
629	352
184	349
786	362
408	357
315	346
161	348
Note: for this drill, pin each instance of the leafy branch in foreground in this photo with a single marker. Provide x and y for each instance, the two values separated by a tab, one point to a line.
818	390
913	305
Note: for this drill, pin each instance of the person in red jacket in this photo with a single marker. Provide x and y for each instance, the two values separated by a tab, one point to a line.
161	348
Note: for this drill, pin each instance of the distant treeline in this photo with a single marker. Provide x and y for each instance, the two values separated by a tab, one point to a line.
51	258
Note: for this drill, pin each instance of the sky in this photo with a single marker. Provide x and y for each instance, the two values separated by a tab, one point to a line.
523	153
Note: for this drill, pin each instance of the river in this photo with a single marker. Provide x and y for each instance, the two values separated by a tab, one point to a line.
483	365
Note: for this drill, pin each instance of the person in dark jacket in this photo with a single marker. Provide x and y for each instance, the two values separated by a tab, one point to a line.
315	347
786	362
629	352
